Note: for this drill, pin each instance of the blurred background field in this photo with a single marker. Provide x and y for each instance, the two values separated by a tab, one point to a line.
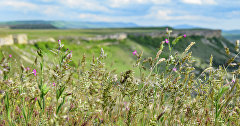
119	62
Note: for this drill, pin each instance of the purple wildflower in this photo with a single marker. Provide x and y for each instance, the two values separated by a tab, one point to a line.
53	84
174	69
166	40
184	35
34	72
10	56
69	56
27	68
35	99
135	52
233	80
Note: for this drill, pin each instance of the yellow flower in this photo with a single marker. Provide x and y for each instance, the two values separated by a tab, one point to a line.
49	98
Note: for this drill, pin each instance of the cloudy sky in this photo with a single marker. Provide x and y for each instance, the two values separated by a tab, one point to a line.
217	14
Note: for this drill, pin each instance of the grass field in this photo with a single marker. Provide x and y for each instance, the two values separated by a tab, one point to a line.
73	32
105	83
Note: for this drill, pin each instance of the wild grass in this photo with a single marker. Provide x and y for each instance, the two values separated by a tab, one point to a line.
167	92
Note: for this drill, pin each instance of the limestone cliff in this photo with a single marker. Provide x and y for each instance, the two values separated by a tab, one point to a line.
11	39
6	40
175	33
117	36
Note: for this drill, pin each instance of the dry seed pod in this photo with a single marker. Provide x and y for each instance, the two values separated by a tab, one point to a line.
161	60
230	60
232	64
227	51
189	46
145	60
158	54
237	46
211	61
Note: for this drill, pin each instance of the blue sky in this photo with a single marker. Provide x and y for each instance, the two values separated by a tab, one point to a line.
216	14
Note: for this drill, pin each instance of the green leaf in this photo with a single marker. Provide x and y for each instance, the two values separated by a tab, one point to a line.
222	91
176	40
24	113
161	47
59	107
39	103
140	86
6	101
60	92
31	111
41	65
45	89
40	53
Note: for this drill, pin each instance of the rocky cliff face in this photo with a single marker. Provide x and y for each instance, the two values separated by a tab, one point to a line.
11	39
117	36
6	40
20	38
175	33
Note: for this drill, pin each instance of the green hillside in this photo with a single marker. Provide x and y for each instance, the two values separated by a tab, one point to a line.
39	24
120	52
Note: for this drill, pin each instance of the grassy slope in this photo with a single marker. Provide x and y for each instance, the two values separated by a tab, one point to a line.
65	24
120	55
56	33
201	50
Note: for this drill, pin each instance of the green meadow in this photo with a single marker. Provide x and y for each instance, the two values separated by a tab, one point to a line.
190	80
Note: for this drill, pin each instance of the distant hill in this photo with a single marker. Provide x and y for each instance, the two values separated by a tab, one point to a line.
78	24
186	26
38	24
232	31
232	35
28	25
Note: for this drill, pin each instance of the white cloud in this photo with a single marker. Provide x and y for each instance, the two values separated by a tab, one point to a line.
160	14
94	17
17	5
91	5
160	1
235	13
109	18
52	11
27	7
47	0
170	15
213	2
123	3
192	1
104	18
200	2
